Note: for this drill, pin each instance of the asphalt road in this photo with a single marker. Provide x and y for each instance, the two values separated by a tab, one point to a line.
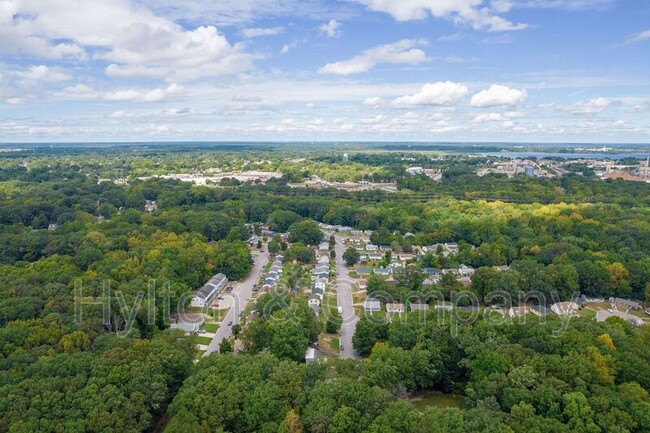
346	302
240	295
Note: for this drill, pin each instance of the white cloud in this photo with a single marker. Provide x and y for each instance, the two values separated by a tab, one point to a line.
591	106
441	93
454	37
497	117
119	31
374	101
256	32
288	47
142	95
43	73
478	14
230	12
401	52
640	37
373	120
120	115
331	29
15	101
78	89
498	95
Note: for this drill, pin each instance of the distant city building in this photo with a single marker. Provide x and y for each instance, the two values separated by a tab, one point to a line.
529	171
346	158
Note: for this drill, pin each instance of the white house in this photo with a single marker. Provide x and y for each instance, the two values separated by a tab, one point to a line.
518	311
565	308
371	305
395	308
466	271
310	356
206	294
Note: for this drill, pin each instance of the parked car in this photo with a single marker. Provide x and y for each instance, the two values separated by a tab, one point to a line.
230	323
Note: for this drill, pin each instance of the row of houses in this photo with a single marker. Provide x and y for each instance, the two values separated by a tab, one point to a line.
447	249
569	308
274	273
321	275
433	274
206	294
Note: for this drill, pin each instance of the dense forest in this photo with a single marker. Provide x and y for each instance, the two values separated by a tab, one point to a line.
66	226
594	378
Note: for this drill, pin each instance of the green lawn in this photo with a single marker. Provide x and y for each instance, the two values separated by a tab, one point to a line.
203	340
437	399
335	343
588	313
211	327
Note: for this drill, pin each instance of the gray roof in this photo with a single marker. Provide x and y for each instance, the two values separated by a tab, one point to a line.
432	271
419	307
213	285
371	303
541	309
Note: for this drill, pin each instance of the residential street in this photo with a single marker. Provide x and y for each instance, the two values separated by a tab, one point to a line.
346	302
240	295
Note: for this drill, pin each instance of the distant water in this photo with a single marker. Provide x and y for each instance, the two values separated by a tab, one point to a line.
600	155
497	149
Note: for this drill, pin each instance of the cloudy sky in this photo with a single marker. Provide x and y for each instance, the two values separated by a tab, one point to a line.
426	70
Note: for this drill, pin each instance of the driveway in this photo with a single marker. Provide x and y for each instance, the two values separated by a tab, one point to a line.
239	297
346	302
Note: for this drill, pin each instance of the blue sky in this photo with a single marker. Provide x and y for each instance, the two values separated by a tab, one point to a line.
425	70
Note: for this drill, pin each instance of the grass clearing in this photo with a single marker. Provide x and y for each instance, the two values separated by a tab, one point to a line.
203	340
437	399
210	327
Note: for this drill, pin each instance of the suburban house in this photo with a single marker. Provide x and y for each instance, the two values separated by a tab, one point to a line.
431	281
362	271
395	308
518	311
382	271
432	272
310	355
324	246
466	271
321	271
418	307
444	307
625	304
319	287
565	308
363	284
540	310
633	320
314	304
206	294
371	305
